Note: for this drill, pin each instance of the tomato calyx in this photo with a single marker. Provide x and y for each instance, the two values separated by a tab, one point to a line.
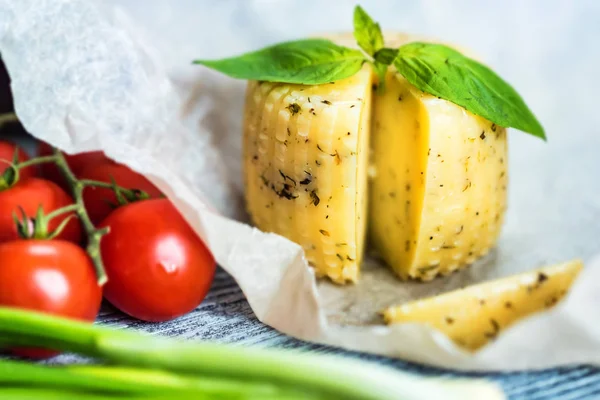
126	196
10	176
37	228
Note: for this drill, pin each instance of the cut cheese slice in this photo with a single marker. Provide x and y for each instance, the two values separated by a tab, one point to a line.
475	315
438	194
306	153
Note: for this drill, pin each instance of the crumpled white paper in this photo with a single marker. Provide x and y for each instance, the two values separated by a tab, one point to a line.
87	75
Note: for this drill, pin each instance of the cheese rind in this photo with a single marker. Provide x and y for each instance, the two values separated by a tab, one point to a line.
305	157
473	316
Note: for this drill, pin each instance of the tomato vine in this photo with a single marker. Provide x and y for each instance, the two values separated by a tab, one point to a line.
76	187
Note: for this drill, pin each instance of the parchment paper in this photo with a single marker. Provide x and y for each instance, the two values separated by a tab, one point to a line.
89	75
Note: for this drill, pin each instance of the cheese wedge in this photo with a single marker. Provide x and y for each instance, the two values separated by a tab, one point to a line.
473	316
306	154
438	194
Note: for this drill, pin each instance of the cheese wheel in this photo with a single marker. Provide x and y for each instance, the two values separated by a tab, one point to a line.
437	192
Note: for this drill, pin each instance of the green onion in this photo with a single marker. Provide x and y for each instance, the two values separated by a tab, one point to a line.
16	393
163	365
131	381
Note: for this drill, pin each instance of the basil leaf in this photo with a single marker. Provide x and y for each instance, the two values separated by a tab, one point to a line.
367	32
385	55
446	73
308	62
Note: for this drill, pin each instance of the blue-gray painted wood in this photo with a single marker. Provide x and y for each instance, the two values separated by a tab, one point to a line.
225	316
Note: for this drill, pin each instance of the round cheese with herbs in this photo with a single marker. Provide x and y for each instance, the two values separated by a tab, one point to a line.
435	196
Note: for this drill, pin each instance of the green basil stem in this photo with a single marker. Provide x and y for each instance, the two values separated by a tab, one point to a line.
120	380
342	377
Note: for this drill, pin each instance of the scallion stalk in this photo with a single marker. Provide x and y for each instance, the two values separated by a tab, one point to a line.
20	393
116	380
333	377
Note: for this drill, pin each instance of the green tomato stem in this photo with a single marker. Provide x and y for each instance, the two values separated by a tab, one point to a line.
61	211
129	193
332	376
105	185
8	118
76	187
36	161
93	235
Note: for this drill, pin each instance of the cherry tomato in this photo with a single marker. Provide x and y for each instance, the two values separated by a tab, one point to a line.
51	276
157	267
77	162
29	195
7	153
99	202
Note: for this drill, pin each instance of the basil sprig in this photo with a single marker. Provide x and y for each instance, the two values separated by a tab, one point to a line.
433	68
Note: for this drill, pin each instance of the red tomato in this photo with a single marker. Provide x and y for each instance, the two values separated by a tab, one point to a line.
29	195
77	162
157	267
100	202
51	276
7	152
